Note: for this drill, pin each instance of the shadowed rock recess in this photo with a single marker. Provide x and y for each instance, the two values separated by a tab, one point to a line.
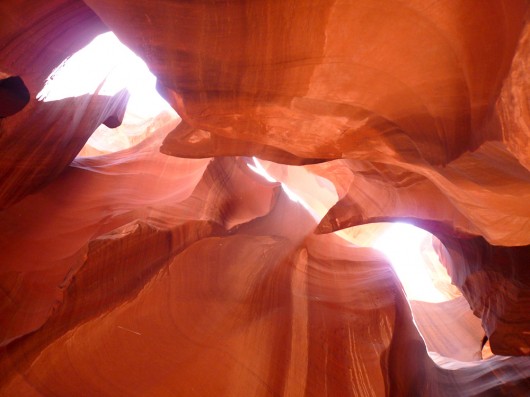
172	269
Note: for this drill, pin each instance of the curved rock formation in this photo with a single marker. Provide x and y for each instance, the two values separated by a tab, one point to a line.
42	138
319	80
171	268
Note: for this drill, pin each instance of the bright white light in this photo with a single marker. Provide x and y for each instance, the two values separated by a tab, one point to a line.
104	67
259	169
402	244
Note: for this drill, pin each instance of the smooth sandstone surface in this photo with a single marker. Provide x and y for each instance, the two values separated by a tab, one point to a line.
171	268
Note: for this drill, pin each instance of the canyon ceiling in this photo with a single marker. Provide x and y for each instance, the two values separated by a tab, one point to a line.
172	269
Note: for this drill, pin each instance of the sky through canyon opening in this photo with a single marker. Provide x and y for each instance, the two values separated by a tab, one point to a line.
104	67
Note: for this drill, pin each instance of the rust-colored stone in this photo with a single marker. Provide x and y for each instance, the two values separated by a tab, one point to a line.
172	269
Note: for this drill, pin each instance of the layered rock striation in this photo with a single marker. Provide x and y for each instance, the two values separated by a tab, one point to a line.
171	268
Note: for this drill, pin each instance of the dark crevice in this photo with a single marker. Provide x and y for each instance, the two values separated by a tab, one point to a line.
14	95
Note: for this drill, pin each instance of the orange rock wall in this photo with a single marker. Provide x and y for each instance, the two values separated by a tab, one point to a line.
171	268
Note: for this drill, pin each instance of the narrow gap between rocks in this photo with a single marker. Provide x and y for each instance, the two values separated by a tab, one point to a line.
441	313
105	67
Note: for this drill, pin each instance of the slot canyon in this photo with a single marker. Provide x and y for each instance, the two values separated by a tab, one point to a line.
265	198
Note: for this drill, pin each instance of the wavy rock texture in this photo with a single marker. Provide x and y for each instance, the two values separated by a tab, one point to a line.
170	268
39	141
328	88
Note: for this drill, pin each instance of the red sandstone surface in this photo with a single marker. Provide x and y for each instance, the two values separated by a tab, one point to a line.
171	269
